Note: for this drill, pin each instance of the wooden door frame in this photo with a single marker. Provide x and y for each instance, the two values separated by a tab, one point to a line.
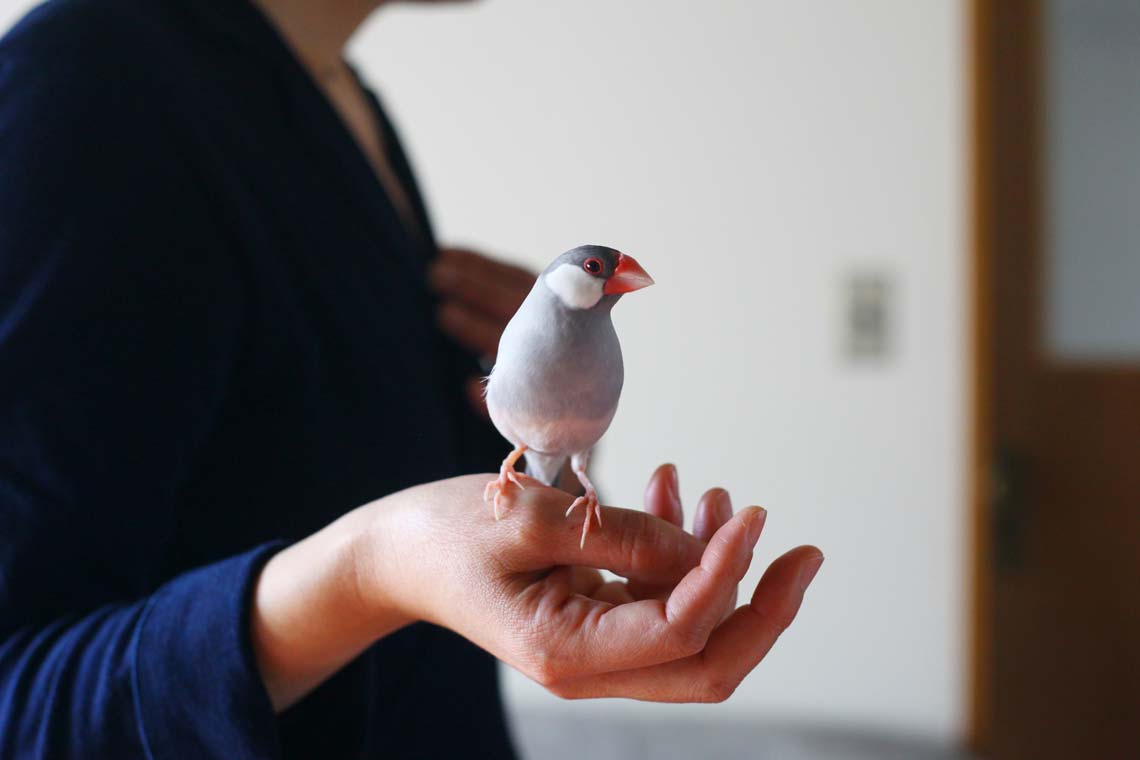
1003	66
979	533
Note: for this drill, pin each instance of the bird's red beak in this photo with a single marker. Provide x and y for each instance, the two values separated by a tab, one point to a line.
628	276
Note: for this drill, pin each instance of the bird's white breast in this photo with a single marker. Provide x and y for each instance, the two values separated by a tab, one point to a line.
562	435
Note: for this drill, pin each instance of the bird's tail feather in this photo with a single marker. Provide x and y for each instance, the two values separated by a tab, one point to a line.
544	467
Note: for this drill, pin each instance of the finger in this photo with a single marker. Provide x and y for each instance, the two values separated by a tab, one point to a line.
490	287
486	267
700	599
662	496
662	499
596	637
733	651
472	330
468	261
713	510
628	543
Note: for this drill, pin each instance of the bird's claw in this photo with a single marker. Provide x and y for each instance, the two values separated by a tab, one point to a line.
593	511
496	490
507	477
514	478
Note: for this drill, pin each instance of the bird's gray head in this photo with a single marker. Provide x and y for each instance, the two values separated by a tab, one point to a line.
589	275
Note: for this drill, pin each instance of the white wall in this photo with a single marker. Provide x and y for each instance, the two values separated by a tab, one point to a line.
749	154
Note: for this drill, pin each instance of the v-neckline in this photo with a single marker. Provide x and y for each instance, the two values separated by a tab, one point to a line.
350	153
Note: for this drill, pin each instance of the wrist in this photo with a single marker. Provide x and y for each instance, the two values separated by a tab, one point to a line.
373	559
312	611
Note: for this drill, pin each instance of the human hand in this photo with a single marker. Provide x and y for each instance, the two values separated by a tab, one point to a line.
521	588
478	297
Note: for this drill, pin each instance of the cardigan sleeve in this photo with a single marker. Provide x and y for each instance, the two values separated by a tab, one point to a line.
120	325
168	675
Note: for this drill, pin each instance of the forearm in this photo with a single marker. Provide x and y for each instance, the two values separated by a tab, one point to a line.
309	616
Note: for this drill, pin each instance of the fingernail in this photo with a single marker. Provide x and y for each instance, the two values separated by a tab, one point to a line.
673	484
810	568
755	525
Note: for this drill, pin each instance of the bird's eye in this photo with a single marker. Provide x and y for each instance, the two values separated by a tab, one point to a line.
593	266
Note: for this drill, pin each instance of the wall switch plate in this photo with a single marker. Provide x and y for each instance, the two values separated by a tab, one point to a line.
868	314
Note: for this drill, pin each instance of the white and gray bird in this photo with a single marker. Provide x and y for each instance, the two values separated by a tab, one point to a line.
558	374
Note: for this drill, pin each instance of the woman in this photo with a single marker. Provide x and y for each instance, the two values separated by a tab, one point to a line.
217	339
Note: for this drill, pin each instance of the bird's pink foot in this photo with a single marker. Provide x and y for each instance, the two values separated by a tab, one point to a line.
593	512
496	491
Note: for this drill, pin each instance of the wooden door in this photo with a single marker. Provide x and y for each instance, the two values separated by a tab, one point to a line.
1056	637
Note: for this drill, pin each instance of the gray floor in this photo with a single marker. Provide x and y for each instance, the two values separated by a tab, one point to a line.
552	736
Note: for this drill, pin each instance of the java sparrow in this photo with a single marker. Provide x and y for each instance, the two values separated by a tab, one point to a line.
558	374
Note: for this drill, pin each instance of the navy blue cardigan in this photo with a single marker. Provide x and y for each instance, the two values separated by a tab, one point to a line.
215	337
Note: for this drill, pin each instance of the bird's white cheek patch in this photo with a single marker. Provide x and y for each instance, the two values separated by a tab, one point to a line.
574	287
